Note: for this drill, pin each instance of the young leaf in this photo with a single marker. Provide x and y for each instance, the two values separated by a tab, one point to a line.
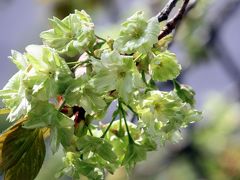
43	115
185	92
134	154
22	152
76	167
87	169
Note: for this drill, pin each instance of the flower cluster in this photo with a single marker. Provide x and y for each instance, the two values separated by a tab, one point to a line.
63	86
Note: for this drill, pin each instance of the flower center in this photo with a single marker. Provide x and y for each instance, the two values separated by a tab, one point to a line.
121	74
157	107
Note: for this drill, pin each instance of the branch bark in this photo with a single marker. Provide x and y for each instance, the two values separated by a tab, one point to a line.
163	15
172	23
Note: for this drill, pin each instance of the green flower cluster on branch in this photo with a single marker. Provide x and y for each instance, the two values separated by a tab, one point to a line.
63	86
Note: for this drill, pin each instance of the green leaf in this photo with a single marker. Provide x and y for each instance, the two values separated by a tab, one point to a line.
22	152
87	169
185	92
118	137
44	114
76	167
102	164
137	34
134	154
97	145
164	67
60	135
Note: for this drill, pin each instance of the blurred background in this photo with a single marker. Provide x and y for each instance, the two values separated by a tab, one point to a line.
207	45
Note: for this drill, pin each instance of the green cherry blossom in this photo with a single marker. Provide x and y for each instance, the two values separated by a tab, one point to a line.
164	67
118	73
48	74
72	35
162	114
137	34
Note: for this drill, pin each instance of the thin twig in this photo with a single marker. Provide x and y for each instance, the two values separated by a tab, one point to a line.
163	15
104	40
89	129
171	24
110	124
130	139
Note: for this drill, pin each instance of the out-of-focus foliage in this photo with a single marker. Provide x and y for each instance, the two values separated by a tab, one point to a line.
217	140
63	8
193	32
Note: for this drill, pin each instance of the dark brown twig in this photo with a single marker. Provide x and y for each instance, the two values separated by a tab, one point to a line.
171	24
163	15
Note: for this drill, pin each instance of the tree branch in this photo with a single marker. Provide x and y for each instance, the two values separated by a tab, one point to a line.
171	24
163	15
